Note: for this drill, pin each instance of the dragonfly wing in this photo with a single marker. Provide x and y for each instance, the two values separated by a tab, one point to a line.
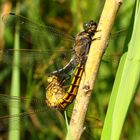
29	57
52	47
50	118
27	26
37	36
28	109
111	58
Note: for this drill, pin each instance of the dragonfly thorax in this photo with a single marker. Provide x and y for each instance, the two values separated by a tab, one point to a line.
83	41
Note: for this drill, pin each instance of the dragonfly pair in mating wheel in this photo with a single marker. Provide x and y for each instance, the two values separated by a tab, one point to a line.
38	57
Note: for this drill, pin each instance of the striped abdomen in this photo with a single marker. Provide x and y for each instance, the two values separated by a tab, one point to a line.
56	95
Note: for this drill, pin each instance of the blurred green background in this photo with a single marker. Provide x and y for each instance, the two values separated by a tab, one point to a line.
67	16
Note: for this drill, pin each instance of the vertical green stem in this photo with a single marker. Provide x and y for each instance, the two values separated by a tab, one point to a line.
15	91
68	128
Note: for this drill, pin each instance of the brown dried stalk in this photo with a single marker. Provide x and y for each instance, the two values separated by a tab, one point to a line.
92	66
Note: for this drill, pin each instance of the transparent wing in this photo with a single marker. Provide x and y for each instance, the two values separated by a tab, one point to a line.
29	108
40	37
42	63
44	46
27	27
32	111
30	57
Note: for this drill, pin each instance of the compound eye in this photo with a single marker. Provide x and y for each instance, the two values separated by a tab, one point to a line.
86	25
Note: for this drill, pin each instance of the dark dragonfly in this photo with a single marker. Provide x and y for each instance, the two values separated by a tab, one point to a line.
56	95
37	59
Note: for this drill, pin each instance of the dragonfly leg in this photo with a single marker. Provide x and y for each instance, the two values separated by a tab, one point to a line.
98	30
97	38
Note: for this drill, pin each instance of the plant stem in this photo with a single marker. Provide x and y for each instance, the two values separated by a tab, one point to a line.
15	89
92	66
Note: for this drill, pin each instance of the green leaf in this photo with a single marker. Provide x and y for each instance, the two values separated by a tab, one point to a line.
125	86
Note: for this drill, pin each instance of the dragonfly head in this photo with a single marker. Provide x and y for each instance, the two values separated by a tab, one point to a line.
90	27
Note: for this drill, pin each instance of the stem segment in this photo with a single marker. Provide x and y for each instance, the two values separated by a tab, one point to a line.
92	66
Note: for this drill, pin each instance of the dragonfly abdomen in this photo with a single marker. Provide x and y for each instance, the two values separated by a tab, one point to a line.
65	98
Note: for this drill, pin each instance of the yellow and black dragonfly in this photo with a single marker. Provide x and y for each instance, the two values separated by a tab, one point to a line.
43	51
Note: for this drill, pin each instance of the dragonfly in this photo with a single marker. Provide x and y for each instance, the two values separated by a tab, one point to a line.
56	96
39	61
81	47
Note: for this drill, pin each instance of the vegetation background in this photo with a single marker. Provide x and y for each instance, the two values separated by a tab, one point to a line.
67	16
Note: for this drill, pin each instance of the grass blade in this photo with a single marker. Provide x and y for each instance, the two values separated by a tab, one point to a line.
15	89
67	125
125	86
